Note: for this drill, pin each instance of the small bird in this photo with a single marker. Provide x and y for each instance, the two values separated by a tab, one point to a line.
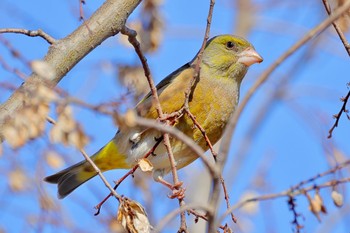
225	61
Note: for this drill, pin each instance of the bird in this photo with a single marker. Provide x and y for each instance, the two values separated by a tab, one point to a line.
214	98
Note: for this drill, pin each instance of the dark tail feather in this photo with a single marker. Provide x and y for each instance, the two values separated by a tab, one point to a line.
70	178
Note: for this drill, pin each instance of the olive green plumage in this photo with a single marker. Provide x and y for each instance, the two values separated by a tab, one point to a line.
225	62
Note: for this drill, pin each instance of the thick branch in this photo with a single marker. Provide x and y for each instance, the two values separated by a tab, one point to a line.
64	54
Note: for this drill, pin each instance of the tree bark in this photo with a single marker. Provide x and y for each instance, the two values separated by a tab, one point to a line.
65	53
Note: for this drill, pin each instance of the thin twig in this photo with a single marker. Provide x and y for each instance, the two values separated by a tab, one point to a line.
174	213
297	189
180	136
10	69
231	126
81	10
227	198
196	77
30	33
292	207
347	48
132	39
14	52
200	128
337	116
330	171
265	108
200	55
287	193
103	178
130	172
95	167
202	216
337	28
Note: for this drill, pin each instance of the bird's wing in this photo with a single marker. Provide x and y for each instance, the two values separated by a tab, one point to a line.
170	91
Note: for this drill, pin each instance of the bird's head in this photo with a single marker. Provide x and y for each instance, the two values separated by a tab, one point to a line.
229	56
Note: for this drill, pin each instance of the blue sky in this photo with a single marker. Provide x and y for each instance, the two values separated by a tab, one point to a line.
290	144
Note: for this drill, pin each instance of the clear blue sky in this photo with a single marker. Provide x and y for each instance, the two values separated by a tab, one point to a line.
290	144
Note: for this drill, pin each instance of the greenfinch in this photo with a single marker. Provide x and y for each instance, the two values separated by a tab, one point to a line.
225	61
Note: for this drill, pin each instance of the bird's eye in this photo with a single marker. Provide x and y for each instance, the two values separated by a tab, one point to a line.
230	45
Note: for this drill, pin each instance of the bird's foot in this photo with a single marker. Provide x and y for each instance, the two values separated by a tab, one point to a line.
177	190
178	193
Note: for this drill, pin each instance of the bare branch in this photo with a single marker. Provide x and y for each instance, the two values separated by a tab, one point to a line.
107	21
175	212
181	136
30	33
95	167
337	28
337	116
130	172
81	10
100	174
229	131
177	184
297	189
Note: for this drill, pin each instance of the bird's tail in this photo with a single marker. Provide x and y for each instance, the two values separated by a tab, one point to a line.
69	179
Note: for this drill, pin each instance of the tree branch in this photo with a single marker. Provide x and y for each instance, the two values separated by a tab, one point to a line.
132	39
31	33
337	28
318	29
64	54
231	126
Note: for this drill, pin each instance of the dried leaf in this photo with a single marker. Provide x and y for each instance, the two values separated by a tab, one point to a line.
316	205
315	208
145	165
11	136
319	199
18	180
66	130
43	69
30	121
57	134
54	160
133	217
77	138
46	93
133	78
116	227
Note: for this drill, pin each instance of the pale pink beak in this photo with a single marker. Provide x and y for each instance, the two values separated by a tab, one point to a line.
249	57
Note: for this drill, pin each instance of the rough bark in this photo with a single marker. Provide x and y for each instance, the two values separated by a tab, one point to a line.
65	53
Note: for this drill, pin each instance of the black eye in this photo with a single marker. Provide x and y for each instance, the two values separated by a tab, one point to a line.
230	45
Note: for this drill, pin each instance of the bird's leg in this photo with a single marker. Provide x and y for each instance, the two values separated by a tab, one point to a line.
172	117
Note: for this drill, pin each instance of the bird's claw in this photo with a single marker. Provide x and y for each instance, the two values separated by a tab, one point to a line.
178	193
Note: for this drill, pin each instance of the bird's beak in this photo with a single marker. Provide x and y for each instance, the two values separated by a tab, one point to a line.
249	57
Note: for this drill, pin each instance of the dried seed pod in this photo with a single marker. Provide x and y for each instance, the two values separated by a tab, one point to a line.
133	217
337	198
